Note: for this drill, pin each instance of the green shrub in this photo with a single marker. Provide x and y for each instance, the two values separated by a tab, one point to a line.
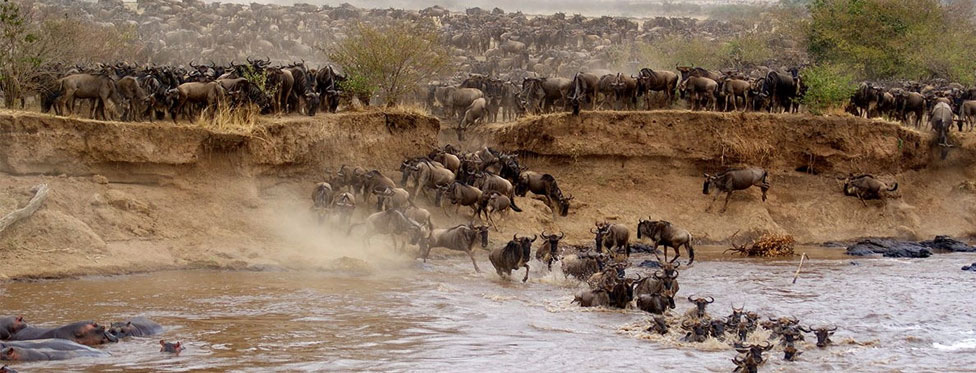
829	87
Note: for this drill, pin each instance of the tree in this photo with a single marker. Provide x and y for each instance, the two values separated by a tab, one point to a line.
393	58
15	58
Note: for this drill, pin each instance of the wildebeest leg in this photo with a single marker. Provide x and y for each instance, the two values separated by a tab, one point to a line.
728	196
526	278
717	194
471	254
492	221
860	197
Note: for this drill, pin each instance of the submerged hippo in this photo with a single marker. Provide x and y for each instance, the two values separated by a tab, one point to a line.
6	369
48	344
37	352
173	348
137	327
84	332
10	325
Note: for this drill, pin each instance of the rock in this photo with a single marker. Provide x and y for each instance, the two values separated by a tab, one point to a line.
946	243
650	264
971	267
99	179
889	248
642	248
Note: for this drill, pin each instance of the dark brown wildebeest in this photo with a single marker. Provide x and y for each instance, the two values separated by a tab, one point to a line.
516	254
614	237
696	331
548	252
459	238
583	91
375	183
101	89
491	204
967	114
493	183
736	179
544	185
654	303
460	195
583	265
207	94
592	298
660	325
867	187
663	81
136	100
700	304
752	355
450	161
663	233
393	223
823	334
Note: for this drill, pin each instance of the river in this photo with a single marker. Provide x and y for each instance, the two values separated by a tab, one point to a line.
893	315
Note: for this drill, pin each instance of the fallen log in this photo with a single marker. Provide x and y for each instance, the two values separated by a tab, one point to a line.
40	194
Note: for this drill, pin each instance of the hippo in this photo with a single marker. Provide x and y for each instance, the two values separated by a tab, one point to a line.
137	327
14	353
48	344
173	348
6	369
84	332
10	325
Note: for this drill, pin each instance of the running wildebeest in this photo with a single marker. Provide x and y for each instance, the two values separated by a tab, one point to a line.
548	252
516	254
736	179
663	233
459	238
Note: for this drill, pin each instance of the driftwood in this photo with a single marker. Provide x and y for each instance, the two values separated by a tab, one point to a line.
40	194
765	246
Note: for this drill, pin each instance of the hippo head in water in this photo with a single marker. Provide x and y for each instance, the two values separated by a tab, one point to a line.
90	334
173	348
6	369
10	326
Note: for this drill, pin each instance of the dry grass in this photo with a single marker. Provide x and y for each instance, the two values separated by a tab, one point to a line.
243	120
768	245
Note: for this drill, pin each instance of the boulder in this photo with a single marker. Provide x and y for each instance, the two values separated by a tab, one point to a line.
889	248
946	243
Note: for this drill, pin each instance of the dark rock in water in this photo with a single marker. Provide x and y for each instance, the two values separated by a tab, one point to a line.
853	263
889	248
650	264
642	248
971	267
946	243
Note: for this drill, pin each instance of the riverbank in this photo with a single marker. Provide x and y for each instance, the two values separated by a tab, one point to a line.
143	197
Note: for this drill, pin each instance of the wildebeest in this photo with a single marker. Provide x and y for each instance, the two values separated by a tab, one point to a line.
867	187
345	205
967	114
394	198
700	304
459	238
592	298
753	353
696	331
460	195
663	233
823	334
663	81
419	215
736	179
393	223
782	88
654	303
472	114
940	119
659	325
716	328
548	252
613	237
101	89
545	185
493	183
209	95
491	204
583	265
516	254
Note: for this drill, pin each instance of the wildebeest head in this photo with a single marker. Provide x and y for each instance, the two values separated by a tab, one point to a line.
700	304
790	353
708	181
736	317
564	205
754	352
823	334
313	100
697	331
717	328
553	241
600	231
524	244
483	232
745	366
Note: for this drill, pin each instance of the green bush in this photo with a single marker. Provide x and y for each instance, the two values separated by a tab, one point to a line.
829	87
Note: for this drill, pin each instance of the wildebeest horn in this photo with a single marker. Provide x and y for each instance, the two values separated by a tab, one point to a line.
767	347
675	275
832	329
534	237
544	235
712	300
561	235
691	300
657	276
515	237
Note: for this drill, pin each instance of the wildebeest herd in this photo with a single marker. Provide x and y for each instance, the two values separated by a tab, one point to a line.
488	181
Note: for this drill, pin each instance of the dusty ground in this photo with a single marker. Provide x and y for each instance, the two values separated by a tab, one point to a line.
141	197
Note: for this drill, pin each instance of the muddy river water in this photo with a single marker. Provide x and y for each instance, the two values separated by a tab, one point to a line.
894	315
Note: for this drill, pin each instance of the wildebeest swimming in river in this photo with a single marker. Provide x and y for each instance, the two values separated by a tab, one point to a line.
736	179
